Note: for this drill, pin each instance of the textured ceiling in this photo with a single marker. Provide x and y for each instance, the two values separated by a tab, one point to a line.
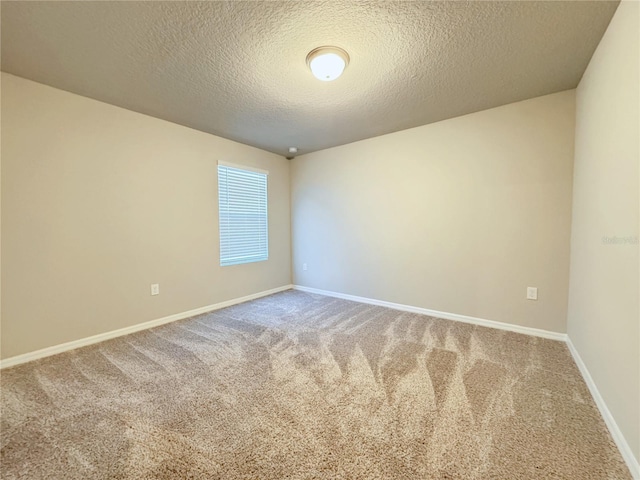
237	69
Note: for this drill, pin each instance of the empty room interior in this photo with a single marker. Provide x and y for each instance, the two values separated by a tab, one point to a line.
320	239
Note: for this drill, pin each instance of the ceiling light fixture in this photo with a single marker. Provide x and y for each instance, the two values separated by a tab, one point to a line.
327	63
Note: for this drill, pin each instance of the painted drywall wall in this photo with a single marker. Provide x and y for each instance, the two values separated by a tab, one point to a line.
458	216
604	315
99	202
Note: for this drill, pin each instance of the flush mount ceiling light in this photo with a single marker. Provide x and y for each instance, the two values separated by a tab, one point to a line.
327	63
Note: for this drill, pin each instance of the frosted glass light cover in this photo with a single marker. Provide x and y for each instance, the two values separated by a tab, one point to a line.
327	63
327	67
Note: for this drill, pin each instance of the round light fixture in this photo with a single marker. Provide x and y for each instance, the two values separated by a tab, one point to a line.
327	63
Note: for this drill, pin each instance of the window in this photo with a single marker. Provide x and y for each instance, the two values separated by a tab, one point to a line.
242	195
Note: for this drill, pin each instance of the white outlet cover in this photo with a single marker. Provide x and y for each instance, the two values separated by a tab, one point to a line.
155	289
532	293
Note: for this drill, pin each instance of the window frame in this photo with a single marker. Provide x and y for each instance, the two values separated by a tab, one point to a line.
225	229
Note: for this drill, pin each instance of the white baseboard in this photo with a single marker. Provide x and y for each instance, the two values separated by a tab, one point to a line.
434	313
616	434
83	342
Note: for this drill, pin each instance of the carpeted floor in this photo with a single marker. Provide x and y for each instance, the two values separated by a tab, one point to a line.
297	385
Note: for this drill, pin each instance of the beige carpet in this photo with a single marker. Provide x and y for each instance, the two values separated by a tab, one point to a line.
304	386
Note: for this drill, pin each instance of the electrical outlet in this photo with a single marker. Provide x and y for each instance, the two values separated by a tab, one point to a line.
532	293
304	266
155	289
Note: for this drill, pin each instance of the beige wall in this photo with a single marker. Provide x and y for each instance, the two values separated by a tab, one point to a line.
604	318
99	202
458	216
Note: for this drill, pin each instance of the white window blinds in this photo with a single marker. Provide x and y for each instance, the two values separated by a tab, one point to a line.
242	195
